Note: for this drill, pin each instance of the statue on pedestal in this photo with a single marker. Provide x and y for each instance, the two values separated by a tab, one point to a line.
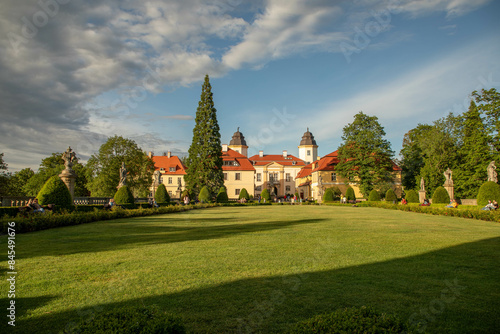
69	156
492	174
422	184
123	176
448	180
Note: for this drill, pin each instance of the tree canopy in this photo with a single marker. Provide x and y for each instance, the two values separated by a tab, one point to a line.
103	168
365	155
204	162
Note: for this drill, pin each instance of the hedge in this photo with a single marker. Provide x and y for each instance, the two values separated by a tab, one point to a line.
353	320
440	196
54	191
161	194
412	196
130	320
37	222
374	196
488	191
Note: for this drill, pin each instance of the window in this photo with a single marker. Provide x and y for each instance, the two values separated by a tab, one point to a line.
160	179
225	176
171	169
162	169
236	191
170	193
169	180
179	180
308	152
259	177
258	188
288	179
273	177
287	188
334	176
237	176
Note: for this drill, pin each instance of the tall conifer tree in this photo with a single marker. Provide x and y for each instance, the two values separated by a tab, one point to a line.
204	162
474	155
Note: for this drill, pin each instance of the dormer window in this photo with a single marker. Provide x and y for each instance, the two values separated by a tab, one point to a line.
162	169
171	169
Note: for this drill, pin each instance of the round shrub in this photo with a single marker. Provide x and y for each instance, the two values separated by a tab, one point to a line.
137	320
336	192
204	195
440	196
352	320
390	196
328	195
374	196
244	194
349	194
411	196
488	191
161	194
54	191
222	195
124	196
265	195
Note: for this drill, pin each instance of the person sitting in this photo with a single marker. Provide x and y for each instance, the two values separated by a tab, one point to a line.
37	207
110	204
404	202
495	204
425	203
490	206
453	204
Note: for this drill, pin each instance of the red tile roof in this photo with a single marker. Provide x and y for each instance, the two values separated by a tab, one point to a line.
243	162
305	171
327	163
278	158
165	162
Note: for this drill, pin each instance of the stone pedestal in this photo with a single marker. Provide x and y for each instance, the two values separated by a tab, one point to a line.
69	178
449	189
421	196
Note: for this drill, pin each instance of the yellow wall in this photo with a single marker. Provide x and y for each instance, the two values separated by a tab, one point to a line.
246	181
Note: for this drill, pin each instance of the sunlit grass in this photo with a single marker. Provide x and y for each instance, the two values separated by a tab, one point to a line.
236	269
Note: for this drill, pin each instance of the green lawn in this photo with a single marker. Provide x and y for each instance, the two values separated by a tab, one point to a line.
261	269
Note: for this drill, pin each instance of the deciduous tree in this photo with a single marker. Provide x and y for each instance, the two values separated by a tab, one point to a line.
103	168
365	156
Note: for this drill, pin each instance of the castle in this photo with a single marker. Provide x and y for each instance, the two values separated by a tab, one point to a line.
282	174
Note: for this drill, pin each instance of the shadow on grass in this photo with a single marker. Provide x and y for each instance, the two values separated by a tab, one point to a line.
452	290
138	231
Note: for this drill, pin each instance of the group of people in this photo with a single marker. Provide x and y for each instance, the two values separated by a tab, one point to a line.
492	205
34	206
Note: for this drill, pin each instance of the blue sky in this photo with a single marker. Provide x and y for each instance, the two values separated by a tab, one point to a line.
135	69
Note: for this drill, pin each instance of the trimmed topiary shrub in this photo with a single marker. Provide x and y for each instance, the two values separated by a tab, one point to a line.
352	320
412	196
54	191
137	320
336	192
265	195
328	195
222	195
488	191
124	196
161	194
374	196
244	194
204	196
349	194
390	196
440	196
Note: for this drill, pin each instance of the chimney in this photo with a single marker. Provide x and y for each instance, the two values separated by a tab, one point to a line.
150	155
285	154
169	154
224	147
261	153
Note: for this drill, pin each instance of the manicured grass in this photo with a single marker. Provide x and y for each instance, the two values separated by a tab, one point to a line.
261	269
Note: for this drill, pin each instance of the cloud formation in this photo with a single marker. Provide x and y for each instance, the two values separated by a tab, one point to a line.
58	56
